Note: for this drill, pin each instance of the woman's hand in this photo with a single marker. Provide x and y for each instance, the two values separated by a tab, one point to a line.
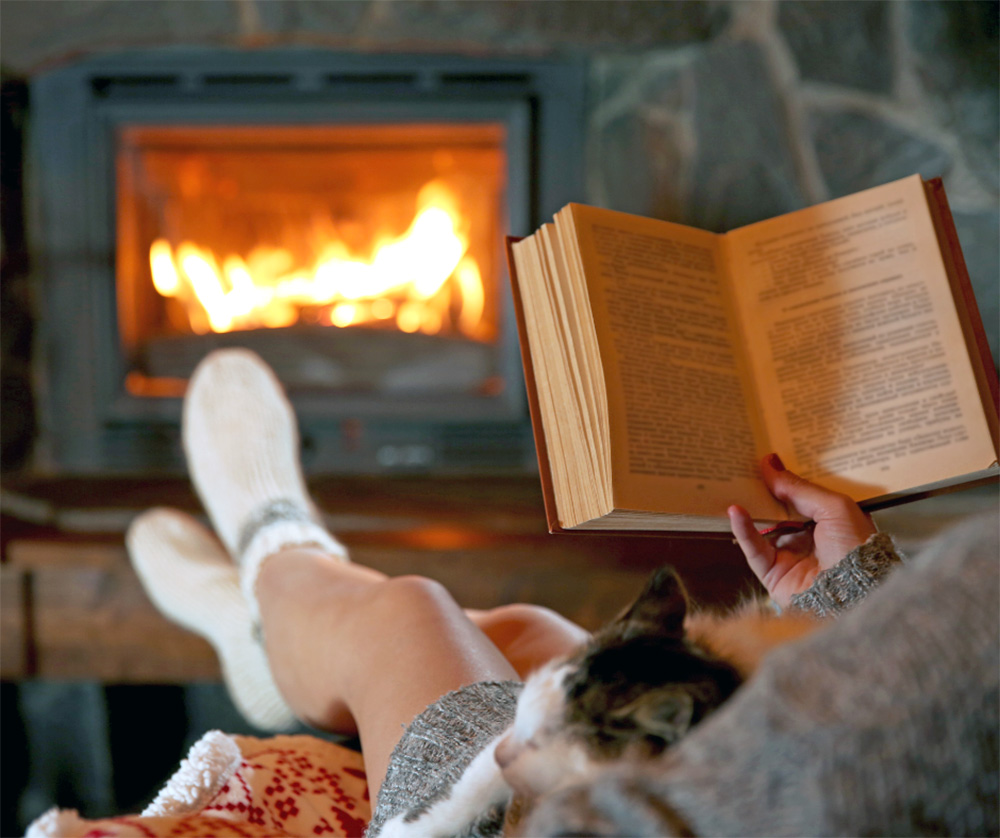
787	563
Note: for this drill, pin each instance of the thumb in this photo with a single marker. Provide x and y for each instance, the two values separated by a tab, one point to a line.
805	497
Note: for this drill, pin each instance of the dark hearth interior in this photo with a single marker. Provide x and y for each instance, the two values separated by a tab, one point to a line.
121	120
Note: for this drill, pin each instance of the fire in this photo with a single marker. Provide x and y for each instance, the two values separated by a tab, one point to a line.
422	281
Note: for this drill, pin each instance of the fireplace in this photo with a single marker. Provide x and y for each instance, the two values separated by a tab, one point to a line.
343	216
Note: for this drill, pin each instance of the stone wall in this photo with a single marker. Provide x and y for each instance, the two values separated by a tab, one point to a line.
714	113
760	120
792	103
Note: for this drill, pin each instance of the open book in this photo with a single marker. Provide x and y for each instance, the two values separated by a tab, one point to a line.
663	361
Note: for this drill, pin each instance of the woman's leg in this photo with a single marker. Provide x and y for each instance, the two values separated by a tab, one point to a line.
192	580
353	650
343	642
529	636
350	648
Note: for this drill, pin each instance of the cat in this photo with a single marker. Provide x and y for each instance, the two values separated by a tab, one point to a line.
639	685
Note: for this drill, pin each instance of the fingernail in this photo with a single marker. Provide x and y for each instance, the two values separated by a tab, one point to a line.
774	461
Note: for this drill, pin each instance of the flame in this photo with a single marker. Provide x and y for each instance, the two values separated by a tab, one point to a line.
423	280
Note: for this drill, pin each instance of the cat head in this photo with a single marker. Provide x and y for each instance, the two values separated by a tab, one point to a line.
636	688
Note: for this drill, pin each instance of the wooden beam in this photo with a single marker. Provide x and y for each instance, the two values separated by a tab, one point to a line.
96	622
14	632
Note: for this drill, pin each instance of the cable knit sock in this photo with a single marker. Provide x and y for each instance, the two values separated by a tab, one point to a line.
192	581
241	443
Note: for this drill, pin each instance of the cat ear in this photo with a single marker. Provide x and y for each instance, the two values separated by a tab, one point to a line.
662	604
666	712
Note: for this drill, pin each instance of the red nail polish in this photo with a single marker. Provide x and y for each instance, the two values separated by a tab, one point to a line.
774	461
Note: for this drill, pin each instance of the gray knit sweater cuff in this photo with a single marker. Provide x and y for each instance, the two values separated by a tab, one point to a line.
844	585
438	746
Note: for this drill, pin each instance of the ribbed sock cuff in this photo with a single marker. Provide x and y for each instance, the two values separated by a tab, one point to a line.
273	534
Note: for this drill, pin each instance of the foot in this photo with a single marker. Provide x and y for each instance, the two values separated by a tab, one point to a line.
242	449
192	581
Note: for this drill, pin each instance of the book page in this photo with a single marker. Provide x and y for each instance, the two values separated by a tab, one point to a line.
576	323
681	439
573	450
856	347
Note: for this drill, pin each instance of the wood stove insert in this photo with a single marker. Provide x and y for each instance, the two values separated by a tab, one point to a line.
341	215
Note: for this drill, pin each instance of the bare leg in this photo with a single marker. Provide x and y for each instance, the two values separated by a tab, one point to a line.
348	647
193	581
529	636
352	650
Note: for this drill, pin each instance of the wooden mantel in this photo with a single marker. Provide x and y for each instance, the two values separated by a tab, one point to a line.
73	608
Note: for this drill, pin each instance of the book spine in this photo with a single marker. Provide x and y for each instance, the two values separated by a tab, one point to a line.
965	302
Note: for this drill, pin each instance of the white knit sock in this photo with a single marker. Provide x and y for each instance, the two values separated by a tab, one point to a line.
192	581
241	443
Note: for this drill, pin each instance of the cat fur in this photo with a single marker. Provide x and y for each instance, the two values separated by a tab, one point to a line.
633	690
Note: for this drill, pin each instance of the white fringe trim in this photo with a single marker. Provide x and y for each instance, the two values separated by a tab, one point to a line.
210	763
58	823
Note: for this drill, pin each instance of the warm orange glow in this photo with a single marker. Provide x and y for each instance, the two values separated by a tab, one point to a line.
165	277
423	280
